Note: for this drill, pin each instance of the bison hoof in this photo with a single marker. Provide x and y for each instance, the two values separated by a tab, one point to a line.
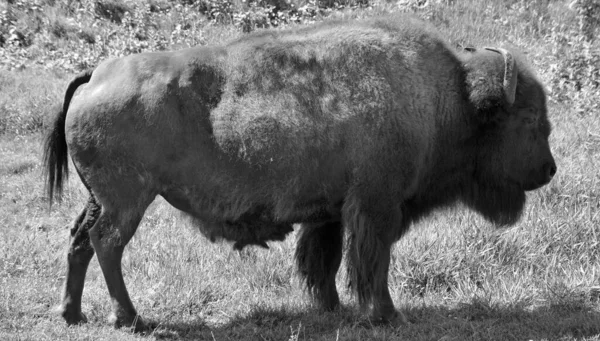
395	319
70	316
327	300
135	324
330	304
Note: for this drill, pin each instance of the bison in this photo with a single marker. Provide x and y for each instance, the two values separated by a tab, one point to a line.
352	129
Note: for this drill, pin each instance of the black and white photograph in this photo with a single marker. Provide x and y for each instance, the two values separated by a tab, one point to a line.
300	170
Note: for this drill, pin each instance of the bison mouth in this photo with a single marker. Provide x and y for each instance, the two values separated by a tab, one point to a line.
540	177
533	185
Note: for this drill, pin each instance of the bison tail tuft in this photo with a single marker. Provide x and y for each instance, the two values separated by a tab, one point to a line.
56	163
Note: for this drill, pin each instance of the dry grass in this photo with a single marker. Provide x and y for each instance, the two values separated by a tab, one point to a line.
454	276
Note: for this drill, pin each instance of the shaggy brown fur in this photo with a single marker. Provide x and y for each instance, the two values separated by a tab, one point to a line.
355	126
318	256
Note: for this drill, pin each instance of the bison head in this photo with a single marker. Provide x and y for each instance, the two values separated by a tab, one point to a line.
511	127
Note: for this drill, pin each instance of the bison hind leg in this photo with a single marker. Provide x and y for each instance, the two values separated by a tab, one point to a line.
78	258
318	257
110	235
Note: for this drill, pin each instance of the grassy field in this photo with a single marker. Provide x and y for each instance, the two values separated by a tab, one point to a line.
454	275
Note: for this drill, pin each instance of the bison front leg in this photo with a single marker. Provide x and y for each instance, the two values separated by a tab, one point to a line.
318	257
78	258
109	237
371	235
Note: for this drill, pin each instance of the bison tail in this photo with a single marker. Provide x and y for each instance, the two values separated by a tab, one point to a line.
56	163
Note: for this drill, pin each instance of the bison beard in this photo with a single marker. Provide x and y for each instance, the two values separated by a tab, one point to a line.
500	204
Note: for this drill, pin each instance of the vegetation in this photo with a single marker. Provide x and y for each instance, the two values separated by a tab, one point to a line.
454	276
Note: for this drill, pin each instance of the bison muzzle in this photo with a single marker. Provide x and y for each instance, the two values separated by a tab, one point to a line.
349	128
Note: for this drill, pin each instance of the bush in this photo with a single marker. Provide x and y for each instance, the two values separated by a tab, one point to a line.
38	31
111	10
589	17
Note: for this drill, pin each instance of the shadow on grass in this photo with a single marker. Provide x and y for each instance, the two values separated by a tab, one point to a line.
476	320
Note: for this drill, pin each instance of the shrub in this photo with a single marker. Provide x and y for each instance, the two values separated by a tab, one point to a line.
87	34
111	10
589	17
60	28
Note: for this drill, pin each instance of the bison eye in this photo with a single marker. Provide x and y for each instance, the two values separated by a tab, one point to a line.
530	119
529	115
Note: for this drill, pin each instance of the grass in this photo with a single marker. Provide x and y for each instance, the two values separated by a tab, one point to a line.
454	276
29	99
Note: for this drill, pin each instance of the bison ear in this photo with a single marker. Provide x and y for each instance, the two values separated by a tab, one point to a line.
491	78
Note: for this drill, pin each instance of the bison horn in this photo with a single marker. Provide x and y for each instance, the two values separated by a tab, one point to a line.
510	74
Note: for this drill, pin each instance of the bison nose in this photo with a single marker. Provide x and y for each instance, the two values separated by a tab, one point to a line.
549	170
